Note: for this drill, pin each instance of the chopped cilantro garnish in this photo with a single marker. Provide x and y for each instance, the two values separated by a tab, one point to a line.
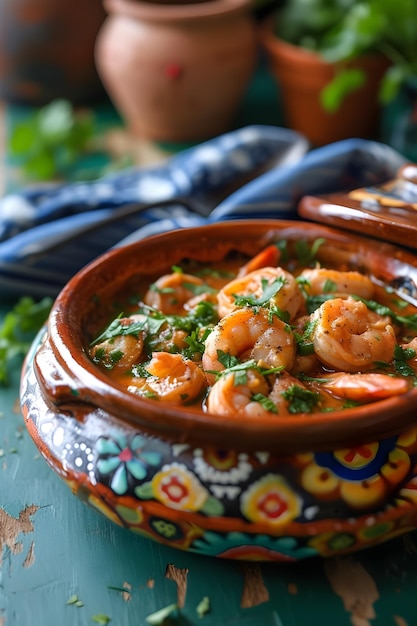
329	286
401	356
306	252
228	360
381	309
314	302
269	290
300	400
117	329
140	370
233	365
197	290
265	402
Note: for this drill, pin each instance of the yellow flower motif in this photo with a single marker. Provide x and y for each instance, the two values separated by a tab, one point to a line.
363	476
364	494
319	480
357	457
176	487
270	500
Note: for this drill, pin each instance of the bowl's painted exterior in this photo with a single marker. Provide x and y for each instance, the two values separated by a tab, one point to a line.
326	485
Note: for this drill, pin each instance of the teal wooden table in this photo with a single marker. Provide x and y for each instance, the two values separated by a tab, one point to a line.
62	564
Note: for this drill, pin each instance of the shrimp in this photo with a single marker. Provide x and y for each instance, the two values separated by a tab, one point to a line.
171	292
347	336
288	296
321	280
246	334
364	387
120	351
256	398
172	379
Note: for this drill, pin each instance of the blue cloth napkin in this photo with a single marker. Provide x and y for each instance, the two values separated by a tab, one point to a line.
36	260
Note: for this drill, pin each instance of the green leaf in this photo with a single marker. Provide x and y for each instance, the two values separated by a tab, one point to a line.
391	83
269	290
344	83
159	617
203	607
19	329
265	402
100	618
52	139
300	400
23	138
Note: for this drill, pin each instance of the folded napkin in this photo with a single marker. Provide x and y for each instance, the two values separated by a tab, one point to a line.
48	233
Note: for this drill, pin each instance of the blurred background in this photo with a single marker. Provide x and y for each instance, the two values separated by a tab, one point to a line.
92	87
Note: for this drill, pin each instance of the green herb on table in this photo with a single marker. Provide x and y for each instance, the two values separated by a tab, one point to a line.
159	617
102	619
75	601
203	607
18	330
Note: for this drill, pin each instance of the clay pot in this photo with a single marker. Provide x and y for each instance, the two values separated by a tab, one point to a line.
270	488
177	72
302	74
47	50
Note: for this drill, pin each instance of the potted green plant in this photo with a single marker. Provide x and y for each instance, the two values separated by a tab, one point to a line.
338	62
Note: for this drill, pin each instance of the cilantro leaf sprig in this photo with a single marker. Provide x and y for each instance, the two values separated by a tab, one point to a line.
381	309
117	329
269	290
232	365
18	330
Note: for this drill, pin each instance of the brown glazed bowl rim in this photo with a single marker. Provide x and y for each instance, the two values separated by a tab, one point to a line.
318	431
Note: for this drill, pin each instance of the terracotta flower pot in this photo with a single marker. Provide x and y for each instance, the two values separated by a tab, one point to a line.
177	72
302	74
47	50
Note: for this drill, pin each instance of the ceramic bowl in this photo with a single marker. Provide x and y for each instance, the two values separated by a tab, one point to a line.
315	484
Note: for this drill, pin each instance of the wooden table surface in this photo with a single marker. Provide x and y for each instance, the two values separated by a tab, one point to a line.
62	564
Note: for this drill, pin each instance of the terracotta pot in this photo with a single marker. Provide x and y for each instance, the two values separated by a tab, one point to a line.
271	487
302	74
177	72
47	50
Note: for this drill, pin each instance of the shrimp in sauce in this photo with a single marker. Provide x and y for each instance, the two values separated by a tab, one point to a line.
262	338
347	336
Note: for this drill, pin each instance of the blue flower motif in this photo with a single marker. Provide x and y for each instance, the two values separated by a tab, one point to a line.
121	458
240	545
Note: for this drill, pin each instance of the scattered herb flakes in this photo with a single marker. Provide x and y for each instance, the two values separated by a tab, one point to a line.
100	618
203	607
158	618
126	590
75	601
